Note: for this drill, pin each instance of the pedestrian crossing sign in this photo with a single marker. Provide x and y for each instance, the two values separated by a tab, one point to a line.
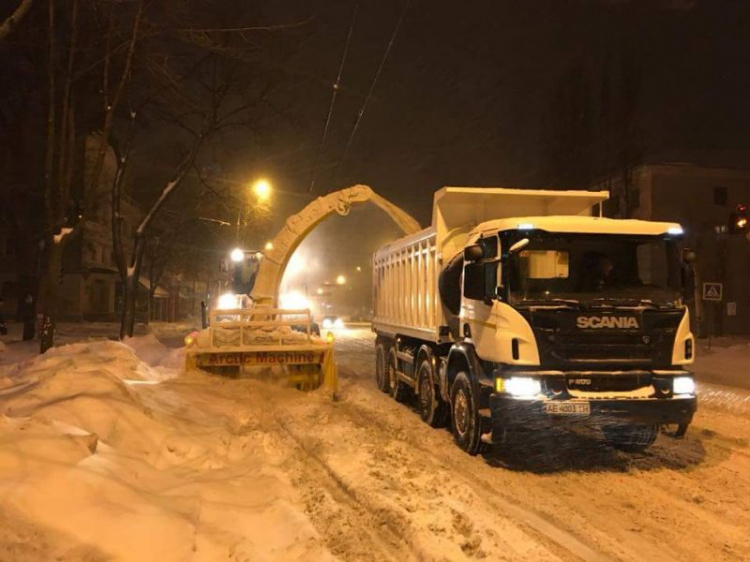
713	291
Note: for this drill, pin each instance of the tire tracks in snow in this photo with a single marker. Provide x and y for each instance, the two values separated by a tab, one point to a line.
550	531
366	514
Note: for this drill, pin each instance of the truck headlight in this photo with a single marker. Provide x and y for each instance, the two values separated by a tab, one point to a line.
683	385
522	387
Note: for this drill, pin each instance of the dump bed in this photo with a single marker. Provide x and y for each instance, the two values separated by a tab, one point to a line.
406	298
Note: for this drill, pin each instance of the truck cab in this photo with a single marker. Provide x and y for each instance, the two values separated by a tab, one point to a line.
576	318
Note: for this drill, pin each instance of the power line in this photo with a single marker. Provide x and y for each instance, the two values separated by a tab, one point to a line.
372	87
336	86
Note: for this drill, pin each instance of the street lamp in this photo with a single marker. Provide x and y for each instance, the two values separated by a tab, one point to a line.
340	280
237	255
269	246
262	189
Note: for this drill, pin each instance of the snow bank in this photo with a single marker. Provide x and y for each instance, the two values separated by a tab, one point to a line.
106	457
726	366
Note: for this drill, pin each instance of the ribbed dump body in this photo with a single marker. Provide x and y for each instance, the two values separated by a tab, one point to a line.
406	297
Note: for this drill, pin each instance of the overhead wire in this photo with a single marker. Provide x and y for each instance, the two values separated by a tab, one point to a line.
336	86
372	88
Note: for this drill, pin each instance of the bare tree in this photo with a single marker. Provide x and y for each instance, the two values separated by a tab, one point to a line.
62	215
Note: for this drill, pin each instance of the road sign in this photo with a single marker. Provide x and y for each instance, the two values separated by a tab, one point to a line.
713	291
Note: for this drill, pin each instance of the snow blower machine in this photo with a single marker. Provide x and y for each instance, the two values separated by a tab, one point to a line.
244	337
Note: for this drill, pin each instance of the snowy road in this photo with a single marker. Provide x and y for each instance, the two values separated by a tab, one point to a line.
683	500
103	456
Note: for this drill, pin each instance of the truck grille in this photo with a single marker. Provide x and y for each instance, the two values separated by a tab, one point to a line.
563	345
617	347
607	383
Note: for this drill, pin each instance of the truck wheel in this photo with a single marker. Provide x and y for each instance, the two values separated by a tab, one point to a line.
630	438
396	388
467	427
432	409
381	372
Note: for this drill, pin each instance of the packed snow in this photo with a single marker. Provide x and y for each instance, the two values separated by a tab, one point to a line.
110	450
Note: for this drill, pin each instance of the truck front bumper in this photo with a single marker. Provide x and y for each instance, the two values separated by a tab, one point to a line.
508	412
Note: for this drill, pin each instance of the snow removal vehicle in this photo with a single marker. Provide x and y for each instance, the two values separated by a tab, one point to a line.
248	330
243	335
520	309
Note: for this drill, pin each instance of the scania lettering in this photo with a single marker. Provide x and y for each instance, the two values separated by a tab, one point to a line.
596	322
521	309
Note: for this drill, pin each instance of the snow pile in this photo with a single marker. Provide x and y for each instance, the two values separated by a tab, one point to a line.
105	457
264	335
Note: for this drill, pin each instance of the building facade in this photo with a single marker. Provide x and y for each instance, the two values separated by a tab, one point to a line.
701	199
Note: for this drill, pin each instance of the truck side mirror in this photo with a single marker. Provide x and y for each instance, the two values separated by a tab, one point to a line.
473	253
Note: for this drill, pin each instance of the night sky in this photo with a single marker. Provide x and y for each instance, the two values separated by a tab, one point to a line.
465	96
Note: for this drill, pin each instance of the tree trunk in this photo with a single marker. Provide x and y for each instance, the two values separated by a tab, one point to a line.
130	289
49	293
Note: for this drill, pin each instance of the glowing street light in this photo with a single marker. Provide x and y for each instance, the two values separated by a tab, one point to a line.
359	269
340	280
262	189
319	291
269	246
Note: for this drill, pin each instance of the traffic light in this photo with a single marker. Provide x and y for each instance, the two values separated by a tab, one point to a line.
738	221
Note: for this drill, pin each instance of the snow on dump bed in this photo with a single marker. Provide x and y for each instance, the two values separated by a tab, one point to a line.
102	459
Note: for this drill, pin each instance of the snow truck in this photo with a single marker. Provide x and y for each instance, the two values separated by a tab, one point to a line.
525	309
244	335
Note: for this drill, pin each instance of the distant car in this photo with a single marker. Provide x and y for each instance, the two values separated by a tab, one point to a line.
332	323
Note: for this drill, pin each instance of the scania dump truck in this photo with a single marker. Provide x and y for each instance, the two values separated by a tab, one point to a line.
521	309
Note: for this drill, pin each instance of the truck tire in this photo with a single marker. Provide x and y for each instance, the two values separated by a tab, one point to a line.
630	438
396	388
466	423
381	368
432	409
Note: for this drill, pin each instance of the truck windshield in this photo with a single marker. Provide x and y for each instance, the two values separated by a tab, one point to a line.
595	269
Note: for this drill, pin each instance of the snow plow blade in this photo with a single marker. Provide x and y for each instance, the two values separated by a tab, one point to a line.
268	343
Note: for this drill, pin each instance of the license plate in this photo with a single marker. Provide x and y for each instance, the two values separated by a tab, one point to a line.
568	408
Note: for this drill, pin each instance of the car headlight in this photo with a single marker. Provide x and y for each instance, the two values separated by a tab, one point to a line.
683	385
338	323
227	301
327	323
522	387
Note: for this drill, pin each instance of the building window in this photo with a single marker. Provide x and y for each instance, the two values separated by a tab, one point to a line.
720	196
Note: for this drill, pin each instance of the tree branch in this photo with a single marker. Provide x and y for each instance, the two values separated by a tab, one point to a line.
8	25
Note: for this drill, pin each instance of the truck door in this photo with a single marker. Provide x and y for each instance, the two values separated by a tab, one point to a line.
480	281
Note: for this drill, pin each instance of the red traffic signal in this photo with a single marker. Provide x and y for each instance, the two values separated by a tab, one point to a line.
738	221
